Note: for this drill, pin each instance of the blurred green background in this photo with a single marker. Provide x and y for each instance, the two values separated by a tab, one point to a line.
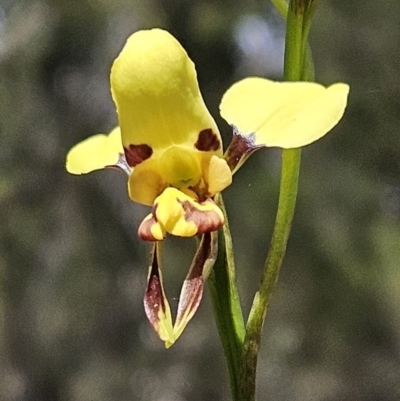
73	273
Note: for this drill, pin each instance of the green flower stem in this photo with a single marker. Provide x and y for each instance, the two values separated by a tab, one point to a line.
308	67
281	6
226	303
293	71
286	205
294	43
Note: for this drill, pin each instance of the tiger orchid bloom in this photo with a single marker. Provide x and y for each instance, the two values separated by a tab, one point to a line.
170	147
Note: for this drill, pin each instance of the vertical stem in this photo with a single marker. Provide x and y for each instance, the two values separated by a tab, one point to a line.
293	71
293	64
226	303
281	6
286	206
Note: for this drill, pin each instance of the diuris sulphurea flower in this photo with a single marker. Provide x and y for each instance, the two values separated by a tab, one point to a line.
170	147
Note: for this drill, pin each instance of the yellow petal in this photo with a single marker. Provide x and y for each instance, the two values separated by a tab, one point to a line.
155	89
95	153
217	174
183	216
171	215
180	214
283	114
146	183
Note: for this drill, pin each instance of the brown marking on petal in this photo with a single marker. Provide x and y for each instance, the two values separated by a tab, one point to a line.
202	255
240	148
192	289
189	300
137	154
154	297
144	230
207	141
154	212
206	221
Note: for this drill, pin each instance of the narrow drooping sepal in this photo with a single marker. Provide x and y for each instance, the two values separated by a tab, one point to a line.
155	302
192	289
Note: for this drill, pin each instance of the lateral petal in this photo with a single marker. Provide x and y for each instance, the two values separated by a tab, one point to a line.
145	183
97	152
283	114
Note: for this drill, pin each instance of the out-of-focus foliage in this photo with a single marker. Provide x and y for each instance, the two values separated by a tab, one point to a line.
72	271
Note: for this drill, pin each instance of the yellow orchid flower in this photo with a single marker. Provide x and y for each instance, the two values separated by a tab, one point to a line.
169	145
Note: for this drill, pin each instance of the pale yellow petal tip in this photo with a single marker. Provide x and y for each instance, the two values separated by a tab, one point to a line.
165	329
95	153
141	62
342	87
169	343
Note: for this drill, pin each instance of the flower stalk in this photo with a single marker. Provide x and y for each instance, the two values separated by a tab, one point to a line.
294	70
226	303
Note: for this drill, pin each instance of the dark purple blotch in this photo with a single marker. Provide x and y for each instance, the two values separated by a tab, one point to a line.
240	148
207	141
137	154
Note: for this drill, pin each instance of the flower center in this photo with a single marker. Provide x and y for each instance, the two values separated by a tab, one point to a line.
181	215
179	167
